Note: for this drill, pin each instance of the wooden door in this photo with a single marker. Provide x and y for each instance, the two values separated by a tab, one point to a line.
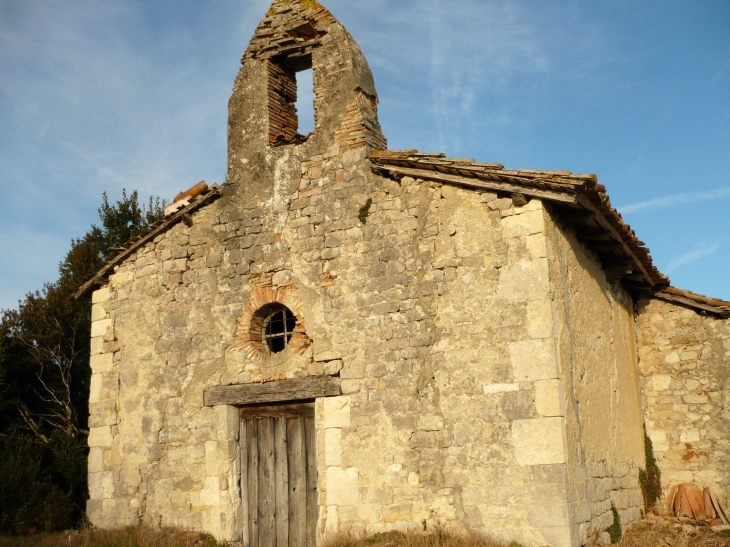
279	476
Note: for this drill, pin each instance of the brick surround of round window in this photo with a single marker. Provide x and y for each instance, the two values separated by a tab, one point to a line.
265	298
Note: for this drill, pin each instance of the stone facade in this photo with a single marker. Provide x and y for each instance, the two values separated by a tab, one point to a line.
488	368
683	361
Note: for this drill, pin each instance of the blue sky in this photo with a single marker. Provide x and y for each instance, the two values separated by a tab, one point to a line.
100	95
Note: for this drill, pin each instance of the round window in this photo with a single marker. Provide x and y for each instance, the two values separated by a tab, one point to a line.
278	328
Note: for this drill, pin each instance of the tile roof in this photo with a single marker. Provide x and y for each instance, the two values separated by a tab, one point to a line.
712	305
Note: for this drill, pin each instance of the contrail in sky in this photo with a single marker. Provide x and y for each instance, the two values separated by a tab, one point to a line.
675	199
702	252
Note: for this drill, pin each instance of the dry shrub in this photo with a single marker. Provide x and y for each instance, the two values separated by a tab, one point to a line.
126	537
667	536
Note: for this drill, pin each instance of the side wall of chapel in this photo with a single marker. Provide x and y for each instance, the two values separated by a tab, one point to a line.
684	361
598	385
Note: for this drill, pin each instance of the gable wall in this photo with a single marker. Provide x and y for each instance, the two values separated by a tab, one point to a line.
684	361
431	313
599	395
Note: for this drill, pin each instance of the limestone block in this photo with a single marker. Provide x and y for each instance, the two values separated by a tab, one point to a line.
96	460
661	382
94	510
333	446
95	490
100	328
107	486
500	388
98	312
547	398
97	346
696	398
536	245
211	493
328	355
557	536
548	514
500	204
332	523
689	435
523	225
690	384
354	155
538	441
342	486
95	388
350	386
532	205
332	367
430	423
101	363
211	458
121	278
281	277
337	412
101	295
540	318
100	437
533	360
524	280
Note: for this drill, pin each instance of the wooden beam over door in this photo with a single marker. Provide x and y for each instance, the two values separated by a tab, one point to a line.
295	389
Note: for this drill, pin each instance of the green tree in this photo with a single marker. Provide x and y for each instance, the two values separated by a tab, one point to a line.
45	374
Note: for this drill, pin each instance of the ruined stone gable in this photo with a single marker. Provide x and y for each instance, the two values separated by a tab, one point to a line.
342	337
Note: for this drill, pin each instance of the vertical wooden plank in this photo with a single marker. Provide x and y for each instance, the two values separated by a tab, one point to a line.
267	493
297	483
243	481
253	481
281	472
312	487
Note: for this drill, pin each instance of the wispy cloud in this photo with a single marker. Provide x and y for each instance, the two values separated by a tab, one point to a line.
703	251
676	199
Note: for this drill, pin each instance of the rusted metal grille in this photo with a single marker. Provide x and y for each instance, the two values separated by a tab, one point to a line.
278	328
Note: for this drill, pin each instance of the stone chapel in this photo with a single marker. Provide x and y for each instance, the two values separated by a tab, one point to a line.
345	337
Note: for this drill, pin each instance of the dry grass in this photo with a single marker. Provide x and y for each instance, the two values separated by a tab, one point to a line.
127	537
437	538
638	536
666	536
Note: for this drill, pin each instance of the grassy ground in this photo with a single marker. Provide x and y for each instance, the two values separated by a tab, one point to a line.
143	537
128	537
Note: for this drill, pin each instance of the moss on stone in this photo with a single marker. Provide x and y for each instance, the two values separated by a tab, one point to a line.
650	478
365	211
614	531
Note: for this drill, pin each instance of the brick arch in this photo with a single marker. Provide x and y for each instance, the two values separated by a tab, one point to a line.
248	334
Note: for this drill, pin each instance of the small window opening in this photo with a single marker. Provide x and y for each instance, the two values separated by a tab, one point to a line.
278	328
305	101
291	99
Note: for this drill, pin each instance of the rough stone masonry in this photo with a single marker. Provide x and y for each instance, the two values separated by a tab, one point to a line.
466	334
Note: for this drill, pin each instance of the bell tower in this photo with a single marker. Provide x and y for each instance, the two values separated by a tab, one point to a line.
263	120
